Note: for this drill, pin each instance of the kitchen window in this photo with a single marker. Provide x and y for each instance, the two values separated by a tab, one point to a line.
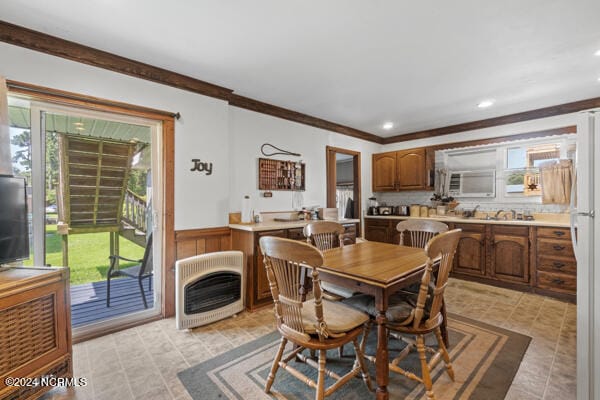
522	175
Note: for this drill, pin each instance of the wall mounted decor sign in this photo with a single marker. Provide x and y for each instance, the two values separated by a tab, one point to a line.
281	175
200	166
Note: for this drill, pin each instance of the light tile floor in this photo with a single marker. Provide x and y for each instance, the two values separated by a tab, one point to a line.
142	362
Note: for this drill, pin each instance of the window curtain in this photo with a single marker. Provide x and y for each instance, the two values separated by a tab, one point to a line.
556	179
5	158
344	198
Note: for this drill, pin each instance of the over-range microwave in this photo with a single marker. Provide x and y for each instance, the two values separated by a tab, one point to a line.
481	183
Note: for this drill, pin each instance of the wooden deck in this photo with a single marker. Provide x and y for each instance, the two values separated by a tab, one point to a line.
88	301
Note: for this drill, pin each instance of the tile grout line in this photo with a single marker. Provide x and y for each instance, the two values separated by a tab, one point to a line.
562	324
121	363
177	348
154	362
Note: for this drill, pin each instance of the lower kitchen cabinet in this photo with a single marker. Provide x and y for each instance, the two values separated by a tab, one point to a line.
509	255
258	292
528	258
470	255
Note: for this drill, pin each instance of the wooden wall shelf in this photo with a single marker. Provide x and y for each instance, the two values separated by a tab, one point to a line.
281	175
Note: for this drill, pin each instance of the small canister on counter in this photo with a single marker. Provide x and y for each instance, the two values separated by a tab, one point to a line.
415	210
432	212
424	211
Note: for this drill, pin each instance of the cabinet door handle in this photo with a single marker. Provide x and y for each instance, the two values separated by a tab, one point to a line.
558	247
559	233
558	264
558	281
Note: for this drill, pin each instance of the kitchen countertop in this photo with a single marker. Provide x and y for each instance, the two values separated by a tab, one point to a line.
556	220
272	225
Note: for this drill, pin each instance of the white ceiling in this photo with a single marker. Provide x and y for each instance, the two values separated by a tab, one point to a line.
359	63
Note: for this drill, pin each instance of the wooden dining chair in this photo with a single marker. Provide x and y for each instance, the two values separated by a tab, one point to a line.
316	324
327	235
417	232
419	314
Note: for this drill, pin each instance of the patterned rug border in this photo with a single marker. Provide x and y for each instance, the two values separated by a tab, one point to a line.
195	379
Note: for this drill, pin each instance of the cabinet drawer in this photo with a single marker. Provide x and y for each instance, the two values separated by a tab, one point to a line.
470	227
554	233
560	265
510	230
296	234
558	282
278	233
554	247
377	222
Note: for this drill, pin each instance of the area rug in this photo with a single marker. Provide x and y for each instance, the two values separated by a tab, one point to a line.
485	360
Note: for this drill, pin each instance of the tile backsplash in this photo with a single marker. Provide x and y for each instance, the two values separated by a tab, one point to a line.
423	197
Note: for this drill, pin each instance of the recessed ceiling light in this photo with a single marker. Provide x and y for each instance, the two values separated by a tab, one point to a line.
78	123
388	125
597	53
485	103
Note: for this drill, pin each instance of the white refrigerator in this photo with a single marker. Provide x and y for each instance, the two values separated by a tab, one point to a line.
585	229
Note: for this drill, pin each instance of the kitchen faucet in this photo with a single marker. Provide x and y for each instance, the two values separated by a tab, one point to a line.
498	213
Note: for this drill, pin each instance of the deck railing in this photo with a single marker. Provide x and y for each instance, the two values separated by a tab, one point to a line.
134	211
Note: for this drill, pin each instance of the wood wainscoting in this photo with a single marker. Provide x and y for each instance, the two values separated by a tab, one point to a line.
192	242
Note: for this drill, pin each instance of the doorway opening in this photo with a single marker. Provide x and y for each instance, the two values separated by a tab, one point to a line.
94	185
344	182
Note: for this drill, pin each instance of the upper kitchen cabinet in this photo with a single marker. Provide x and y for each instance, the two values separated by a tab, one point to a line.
384	172
403	170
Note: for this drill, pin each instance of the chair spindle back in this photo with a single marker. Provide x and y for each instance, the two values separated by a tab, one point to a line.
419	231
325	235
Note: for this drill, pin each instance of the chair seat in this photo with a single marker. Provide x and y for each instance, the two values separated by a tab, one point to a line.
340	318
337	290
398	309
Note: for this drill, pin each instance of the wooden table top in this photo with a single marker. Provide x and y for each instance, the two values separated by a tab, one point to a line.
379	264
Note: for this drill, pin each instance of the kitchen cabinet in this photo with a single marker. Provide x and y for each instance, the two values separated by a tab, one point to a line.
527	258
410	172
556	270
410	169
384	172
470	257
258	292
263	291
378	230
509	255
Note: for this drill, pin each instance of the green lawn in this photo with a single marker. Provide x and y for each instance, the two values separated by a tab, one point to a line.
88	254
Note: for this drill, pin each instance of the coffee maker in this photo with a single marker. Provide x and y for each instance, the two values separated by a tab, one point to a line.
372	206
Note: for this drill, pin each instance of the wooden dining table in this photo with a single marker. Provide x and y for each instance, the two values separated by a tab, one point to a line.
378	269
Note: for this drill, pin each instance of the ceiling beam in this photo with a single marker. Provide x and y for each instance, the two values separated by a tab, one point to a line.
55	46
552	111
265	108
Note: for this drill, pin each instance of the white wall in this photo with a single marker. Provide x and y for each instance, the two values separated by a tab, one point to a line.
249	130
209	129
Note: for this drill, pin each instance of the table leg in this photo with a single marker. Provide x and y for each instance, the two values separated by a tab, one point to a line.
381	362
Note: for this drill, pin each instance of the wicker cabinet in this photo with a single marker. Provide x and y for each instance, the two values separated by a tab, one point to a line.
35	328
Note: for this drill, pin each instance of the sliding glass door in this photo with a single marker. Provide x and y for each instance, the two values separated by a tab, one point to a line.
94	202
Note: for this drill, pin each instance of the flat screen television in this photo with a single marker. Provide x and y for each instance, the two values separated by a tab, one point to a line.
14	227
